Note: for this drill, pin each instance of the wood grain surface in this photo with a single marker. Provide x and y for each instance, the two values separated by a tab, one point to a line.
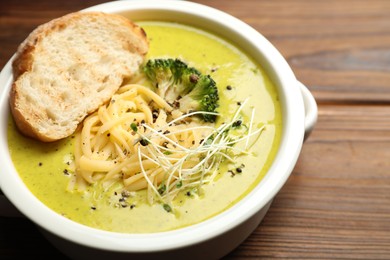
336	203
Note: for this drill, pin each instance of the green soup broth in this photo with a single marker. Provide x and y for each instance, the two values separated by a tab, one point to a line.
44	167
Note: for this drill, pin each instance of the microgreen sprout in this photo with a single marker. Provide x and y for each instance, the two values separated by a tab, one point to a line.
204	159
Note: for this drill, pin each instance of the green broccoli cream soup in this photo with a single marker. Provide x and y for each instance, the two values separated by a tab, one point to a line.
46	168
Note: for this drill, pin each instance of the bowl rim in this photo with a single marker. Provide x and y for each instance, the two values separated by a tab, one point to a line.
263	193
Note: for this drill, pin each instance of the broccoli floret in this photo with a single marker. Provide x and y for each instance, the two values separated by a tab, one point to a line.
203	97
159	72
183	86
171	77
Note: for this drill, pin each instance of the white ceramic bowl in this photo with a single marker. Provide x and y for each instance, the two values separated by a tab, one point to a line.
212	238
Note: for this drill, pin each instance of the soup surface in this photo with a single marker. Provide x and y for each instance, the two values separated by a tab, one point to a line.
45	167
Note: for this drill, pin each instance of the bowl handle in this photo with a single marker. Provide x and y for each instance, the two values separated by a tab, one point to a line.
311	109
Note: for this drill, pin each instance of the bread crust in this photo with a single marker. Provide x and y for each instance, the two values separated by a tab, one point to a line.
28	117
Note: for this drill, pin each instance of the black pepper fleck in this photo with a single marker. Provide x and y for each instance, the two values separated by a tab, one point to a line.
155	114
144	142
237	123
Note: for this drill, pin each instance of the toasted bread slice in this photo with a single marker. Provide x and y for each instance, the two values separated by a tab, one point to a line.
70	66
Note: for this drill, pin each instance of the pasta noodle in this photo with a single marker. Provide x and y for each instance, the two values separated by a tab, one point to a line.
136	140
139	140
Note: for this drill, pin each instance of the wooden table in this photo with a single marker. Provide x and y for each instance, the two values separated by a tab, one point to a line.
336	204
